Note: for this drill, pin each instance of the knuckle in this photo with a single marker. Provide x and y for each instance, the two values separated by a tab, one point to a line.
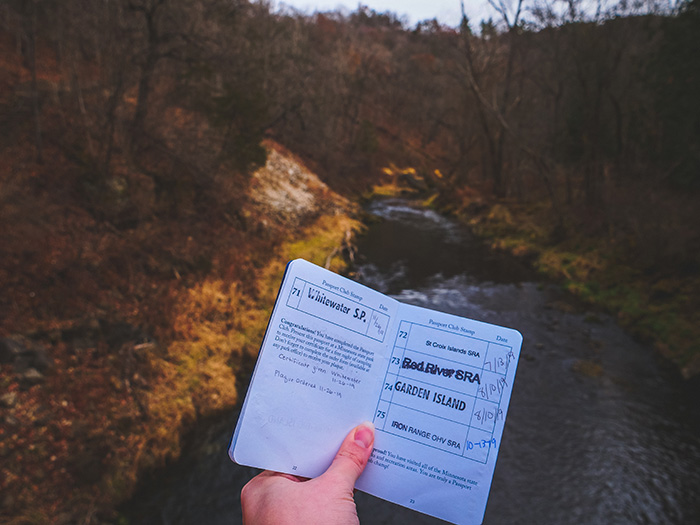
353	456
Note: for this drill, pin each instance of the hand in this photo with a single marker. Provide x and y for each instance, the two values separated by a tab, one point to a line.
280	499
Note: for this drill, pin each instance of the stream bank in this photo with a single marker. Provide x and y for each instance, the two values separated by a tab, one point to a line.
599	430
129	338
656	303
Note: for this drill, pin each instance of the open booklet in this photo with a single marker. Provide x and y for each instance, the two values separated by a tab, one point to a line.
436	386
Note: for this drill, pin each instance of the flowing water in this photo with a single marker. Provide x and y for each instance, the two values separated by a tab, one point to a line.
598	430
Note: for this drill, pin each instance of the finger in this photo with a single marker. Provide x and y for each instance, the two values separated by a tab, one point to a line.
262	483
352	456
267	474
273	474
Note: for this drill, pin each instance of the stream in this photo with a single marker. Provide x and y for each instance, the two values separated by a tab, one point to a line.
599	430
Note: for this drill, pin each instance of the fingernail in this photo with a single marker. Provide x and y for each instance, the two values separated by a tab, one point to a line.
364	434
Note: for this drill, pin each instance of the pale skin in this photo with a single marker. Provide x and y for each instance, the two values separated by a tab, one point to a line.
282	499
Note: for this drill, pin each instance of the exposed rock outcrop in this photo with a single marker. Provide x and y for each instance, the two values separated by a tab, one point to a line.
29	359
285	193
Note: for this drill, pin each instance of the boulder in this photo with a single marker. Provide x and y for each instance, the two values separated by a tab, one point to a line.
10	349
8	400
23	354
30	377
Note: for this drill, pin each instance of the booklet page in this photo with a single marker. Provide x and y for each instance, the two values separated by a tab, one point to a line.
318	372
440	414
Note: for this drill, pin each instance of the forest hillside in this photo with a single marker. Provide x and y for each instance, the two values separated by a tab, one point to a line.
163	159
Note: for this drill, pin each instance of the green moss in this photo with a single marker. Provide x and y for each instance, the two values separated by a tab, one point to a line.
658	309
430	201
588	368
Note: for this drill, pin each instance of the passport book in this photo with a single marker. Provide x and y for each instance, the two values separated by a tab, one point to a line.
337	353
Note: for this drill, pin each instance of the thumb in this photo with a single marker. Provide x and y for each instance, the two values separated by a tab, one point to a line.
352	456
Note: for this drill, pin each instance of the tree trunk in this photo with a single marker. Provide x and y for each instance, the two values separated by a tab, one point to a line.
35	86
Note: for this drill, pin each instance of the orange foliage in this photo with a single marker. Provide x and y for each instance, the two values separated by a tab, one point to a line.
76	441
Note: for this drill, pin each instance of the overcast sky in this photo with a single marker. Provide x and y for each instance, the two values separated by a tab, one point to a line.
446	11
